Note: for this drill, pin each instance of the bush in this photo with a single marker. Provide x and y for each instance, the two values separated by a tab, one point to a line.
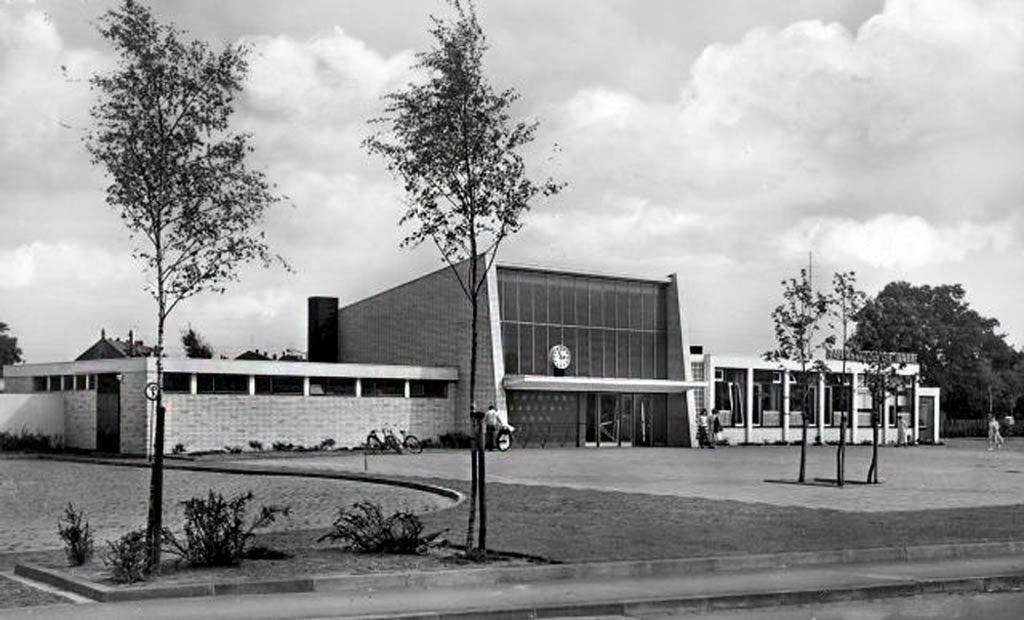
233	449
363	527
76	533
127	558
256	445
216	532
179	448
29	441
281	446
457	440
327	444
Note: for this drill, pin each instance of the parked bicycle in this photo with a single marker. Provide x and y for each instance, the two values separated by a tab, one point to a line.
503	438
388	438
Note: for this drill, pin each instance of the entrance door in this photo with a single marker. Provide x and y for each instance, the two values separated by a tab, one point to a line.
925	416
608	414
611	419
108	413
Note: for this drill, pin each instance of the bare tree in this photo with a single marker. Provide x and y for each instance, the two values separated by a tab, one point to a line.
452	142
178	175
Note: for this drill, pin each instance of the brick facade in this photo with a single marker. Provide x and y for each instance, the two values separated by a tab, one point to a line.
214	421
80	419
424	322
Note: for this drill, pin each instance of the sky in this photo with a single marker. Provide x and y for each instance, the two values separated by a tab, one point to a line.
727	141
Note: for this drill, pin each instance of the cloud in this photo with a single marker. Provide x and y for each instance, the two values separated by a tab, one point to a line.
894	241
66	263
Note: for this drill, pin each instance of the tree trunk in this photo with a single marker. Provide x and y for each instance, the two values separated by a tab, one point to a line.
873	470
476	491
154	526
841	450
803	440
482	493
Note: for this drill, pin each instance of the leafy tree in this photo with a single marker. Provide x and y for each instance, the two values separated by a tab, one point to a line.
9	351
958	349
883	379
178	175
846	302
451	140
798	320
194	345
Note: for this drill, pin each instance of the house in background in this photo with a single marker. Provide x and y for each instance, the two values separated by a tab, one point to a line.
115	348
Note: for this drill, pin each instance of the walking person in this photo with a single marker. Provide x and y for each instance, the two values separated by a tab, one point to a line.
995	438
491	421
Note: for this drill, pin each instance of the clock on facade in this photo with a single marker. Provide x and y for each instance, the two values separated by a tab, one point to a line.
560	356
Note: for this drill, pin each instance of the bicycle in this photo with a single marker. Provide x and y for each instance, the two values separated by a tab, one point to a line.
503	438
388	439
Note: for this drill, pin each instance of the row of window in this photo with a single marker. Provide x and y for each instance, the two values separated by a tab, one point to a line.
595	352
63	383
561	299
181	383
730	398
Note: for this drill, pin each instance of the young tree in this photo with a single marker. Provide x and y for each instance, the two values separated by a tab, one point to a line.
798	319
883	379
194	345
452	142
9	351
178	175
847	301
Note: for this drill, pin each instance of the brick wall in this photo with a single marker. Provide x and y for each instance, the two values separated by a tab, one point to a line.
135	412
80	419
214	421
425	322
18	385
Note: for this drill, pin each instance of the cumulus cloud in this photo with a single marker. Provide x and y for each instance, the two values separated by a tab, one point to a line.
893	241
66	263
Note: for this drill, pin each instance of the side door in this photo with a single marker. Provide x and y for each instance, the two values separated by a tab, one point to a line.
108	413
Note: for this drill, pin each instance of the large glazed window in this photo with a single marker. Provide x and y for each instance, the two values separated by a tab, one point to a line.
222	384
612	327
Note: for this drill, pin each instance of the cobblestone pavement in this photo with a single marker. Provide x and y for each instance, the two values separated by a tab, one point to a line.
923	477
33	494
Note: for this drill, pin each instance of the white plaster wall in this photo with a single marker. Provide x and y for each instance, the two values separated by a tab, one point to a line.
41	413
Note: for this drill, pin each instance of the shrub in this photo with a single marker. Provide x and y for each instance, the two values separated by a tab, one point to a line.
363	527
179	448
281	446
127	558
216	531
327	444
456	440
233	449
29	441
76	533
256	445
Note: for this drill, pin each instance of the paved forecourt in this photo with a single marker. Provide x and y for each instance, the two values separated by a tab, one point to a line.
33	494
923	477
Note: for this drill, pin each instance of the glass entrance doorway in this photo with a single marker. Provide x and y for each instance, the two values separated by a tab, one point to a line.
623	419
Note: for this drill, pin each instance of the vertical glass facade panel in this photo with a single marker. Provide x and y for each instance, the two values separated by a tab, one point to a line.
613	327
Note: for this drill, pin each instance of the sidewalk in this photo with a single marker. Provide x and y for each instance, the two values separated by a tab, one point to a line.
634	596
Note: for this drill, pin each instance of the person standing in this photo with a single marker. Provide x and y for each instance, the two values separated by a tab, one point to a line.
491	421
716	429
702	429
901	431
995	438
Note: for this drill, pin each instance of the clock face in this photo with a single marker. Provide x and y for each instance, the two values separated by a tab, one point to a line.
560	356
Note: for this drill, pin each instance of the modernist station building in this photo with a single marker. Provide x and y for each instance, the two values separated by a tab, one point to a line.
576	359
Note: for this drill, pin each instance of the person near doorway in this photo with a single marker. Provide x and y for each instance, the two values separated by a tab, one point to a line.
702	429
491	422
995	438
901	432
716	430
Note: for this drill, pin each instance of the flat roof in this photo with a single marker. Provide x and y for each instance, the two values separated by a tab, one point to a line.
546	383
237	367
581	273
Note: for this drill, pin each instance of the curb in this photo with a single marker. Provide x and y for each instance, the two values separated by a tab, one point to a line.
452	494
707	604
527	574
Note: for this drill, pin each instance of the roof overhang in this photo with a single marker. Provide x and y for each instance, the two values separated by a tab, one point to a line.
591	384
